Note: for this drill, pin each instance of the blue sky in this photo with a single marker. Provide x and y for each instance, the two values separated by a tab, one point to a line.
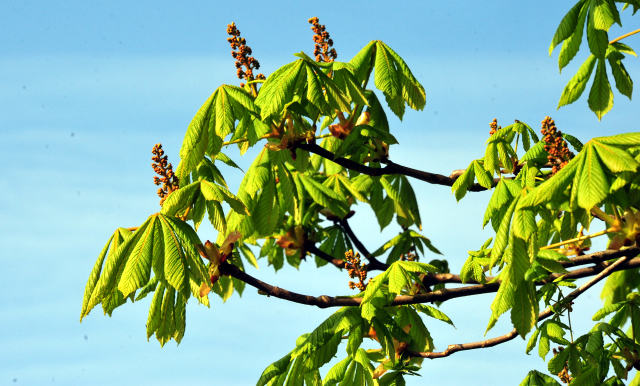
87	88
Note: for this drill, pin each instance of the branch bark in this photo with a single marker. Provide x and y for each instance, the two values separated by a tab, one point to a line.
310	246
442	295
593	258
451	349
374	264
391	168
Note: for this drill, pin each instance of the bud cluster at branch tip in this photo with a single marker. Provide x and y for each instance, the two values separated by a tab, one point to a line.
559	154
168	179
355	270
494	126
564	374
323	42
241	52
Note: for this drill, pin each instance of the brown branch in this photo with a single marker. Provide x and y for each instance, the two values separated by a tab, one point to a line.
593	258
442	295
451	349
624	36
374	264
310	246
391	168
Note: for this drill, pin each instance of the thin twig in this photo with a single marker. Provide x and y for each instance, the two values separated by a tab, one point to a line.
374	264
593	258
311	247
585	237
451	349
624	36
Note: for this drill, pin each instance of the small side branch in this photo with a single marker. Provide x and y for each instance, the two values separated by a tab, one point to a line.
311	247
593	258
624	36
391	168
374	264
618	264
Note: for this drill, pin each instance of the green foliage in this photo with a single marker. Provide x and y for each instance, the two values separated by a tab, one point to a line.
599	16
296	198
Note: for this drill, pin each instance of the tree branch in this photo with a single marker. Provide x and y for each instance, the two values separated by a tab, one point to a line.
374	264
442	295
310	246
451	349
391	168
593	258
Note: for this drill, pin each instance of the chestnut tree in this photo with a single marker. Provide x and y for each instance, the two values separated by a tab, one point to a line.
326	145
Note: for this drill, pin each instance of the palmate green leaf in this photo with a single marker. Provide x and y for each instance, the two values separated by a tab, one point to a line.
337	373
356	337
275	369
607	310
277	91
323	195
588	378
377	115
502	235
484	178
568	25
598	39
463	182
345	80
600	96
363	61
615	159
557	363
571	45
593	185
384	338
504	297
524	311
95	272
395	378
166	321
231	104
196	140
256	176
434	313
148	288
399	276
336	98
105	290
175	262
180	199
412	91
499	198
251	128
536	378
137	270
214	121
604	14
491	160
524	223
624	84
325	331
155	310
180	317
266	211
387	79
574	89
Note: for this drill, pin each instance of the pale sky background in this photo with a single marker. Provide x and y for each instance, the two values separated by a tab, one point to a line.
87	88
